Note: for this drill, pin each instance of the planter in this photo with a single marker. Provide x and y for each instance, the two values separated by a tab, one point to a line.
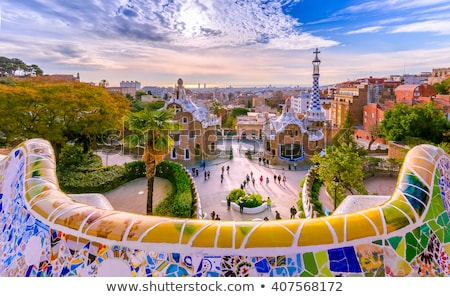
250	210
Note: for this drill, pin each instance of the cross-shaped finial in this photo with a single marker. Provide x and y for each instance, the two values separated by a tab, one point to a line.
316	52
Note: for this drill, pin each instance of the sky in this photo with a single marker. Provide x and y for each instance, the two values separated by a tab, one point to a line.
226	42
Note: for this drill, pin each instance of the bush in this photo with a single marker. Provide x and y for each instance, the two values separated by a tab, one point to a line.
180	202
252	200
236	194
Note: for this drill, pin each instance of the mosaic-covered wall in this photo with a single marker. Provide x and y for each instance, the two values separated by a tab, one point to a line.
45	233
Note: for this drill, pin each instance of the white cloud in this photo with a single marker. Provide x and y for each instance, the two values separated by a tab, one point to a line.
372	29
434	26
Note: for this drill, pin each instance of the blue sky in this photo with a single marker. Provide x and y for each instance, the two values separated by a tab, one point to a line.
225	42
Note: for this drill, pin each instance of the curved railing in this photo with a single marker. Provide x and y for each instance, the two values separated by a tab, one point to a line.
46	233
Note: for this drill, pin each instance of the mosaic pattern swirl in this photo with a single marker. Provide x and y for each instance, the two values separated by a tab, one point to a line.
45	233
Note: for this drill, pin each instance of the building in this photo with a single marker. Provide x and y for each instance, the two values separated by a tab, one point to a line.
197	138
438	75
410	94
291	139
351	98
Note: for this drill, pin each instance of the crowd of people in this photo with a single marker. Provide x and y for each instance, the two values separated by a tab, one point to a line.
250	179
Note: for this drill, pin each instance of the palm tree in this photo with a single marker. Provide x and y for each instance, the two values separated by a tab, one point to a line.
152	128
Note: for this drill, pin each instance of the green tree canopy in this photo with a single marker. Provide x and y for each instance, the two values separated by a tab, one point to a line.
345	164
423	121
58	111
443	87
153	129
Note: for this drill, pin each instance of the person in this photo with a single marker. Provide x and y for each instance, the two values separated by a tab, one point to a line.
284	180
206	175
277	215
251	174
253	181
221	178
267	180
209	174
279	179
228	202
241	205
223	169
293	212
261	179
213	215
217	217
228	169
266	219
274	178
196	172
269	204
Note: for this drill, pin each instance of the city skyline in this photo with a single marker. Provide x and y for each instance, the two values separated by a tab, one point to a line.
227	43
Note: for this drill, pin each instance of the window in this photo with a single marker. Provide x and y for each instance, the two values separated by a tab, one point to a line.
213	147
187	154
184	120
373	115
192	134
174	153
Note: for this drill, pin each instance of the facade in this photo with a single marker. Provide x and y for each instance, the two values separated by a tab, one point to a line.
289	138
351	99
438	75
197	138
410	94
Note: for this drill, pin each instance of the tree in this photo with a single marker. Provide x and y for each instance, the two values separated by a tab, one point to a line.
422	121
345	164
103	83
153	129
443	87
58	112
375	133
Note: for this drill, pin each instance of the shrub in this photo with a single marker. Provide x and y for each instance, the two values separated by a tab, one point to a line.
180	202
236	194
253	200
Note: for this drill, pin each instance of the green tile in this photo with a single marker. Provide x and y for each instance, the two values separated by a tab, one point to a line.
310	263
394	241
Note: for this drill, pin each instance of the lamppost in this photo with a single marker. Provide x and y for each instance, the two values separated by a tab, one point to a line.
336	182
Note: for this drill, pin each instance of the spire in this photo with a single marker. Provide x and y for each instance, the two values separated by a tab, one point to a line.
315	112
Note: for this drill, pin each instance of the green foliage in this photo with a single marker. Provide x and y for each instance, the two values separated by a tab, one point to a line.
8	67
179	203
443	87
422	121
134	170
345	163
90	177
238	111
252	200
99	181
58	111
70	156
236	194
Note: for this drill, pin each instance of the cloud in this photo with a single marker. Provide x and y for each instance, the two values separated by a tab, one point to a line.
372	29
440	27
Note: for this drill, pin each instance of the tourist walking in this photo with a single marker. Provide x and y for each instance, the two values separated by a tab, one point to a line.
261	179
228	169
267	181
228	202
269	204
279	179
284	180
